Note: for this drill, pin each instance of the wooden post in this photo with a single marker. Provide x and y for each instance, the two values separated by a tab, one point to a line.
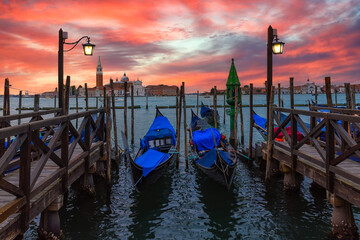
328	91
20	106
24	179
236	118
197	103
291	183
269	161
224	107
77	105
36	102
67	95
342	220
215	103
353	102
114	120
348	95
185	128
250	155
241	118
316	95
147	103
178	128
125	109
108	141
269	60
86	98
132	114
97	102
55	96
177	104
6	108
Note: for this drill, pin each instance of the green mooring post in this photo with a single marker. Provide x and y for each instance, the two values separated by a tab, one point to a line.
231	84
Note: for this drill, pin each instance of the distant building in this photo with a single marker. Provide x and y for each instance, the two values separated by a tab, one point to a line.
161	90
99	75
308	88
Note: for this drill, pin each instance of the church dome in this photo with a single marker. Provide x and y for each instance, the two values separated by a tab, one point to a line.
124	78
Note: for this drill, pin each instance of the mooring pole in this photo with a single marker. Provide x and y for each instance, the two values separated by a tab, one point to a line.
77	105
224	107
316	95
328	91
86	98
241	118
67	95
269	161
20	106
236	118
147	96
215	103
125	109
250	155
108	141
114	121
178	128
132	114
197	103
177	104
185	128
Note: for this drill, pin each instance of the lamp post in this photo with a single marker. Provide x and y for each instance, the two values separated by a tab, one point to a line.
273	47
88	51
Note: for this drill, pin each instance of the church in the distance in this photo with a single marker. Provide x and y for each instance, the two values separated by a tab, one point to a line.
119	86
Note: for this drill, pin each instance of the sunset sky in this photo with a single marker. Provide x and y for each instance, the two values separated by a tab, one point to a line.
168	42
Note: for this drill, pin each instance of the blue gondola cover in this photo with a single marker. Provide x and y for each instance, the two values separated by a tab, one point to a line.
160	128
150	160
203	139
209	159
206	111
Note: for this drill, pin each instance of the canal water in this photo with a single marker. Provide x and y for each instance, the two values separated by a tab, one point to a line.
187	205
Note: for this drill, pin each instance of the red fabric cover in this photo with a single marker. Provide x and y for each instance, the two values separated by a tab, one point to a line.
288	130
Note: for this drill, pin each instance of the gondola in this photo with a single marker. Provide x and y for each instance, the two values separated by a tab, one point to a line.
156	153
214	155
208	114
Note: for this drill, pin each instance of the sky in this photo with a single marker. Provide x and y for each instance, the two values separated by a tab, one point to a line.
169	42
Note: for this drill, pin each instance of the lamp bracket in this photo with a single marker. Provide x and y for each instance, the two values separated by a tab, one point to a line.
76	43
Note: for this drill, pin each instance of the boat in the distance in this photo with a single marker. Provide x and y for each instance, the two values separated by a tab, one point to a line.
208	114
214	155
156	153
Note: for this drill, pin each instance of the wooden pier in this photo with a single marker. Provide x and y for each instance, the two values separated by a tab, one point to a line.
40	159
326	154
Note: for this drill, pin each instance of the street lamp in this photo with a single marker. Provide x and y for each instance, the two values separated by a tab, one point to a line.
273	47
277	47
88	51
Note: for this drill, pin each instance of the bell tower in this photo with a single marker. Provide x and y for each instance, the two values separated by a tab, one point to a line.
99	75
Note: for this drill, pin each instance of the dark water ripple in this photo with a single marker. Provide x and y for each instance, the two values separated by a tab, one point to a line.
186	205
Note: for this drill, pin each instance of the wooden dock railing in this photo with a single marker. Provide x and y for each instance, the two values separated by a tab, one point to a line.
50	155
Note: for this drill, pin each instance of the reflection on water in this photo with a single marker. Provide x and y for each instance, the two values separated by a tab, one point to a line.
147	207
219	207
186	205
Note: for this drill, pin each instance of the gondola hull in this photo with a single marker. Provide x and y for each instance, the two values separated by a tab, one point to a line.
215	173
141	182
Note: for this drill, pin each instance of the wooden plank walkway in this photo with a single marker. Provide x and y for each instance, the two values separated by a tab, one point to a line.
318	173
44	194
50	154
327	159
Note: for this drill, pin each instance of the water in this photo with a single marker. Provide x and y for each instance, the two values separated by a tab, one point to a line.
184	204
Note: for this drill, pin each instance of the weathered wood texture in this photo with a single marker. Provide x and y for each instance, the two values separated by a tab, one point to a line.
42	175
331	163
